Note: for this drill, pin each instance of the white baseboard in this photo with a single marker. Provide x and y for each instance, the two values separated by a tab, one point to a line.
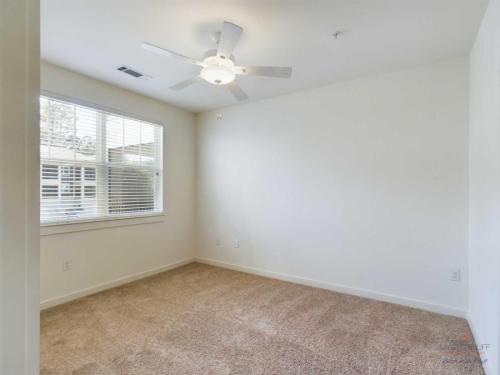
111	284
437	308
477	339
428	306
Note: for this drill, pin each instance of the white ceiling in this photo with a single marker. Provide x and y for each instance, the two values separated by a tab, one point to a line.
93	37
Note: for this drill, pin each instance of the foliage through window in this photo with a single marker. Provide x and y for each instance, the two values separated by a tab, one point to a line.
97	165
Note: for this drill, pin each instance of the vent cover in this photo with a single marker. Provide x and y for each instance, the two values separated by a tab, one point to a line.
132	72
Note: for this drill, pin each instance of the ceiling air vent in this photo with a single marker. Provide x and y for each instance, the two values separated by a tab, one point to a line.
131	72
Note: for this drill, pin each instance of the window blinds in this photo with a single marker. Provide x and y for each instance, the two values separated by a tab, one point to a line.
97	165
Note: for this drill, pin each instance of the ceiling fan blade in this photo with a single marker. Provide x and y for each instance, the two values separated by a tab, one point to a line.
237	92
165	52
229	36
188	82
266	71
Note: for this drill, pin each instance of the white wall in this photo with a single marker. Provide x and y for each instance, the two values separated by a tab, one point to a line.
19	191
359	186
484	291
105	255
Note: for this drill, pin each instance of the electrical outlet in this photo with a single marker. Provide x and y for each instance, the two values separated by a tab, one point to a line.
66	265
455	275
236	243
217	242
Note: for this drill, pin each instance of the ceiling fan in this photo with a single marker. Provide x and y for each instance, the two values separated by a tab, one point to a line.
218	66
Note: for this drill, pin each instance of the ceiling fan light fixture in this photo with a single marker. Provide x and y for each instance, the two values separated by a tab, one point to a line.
217	71
218	67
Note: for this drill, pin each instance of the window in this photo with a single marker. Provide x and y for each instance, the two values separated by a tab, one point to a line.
97	165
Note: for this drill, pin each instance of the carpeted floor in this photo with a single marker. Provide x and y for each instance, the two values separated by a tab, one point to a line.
199	319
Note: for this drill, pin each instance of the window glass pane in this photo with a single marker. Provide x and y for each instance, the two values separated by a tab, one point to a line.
90	191
44	128
114	139
50	172
89	174
86	134
132	142
148	144
61	131
130	190
50	191
96	164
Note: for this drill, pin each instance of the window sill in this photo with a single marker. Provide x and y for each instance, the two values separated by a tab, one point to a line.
50	229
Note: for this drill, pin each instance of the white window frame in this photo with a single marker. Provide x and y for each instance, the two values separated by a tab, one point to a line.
108	222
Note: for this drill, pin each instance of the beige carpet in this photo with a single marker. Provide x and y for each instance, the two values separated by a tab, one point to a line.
200	319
